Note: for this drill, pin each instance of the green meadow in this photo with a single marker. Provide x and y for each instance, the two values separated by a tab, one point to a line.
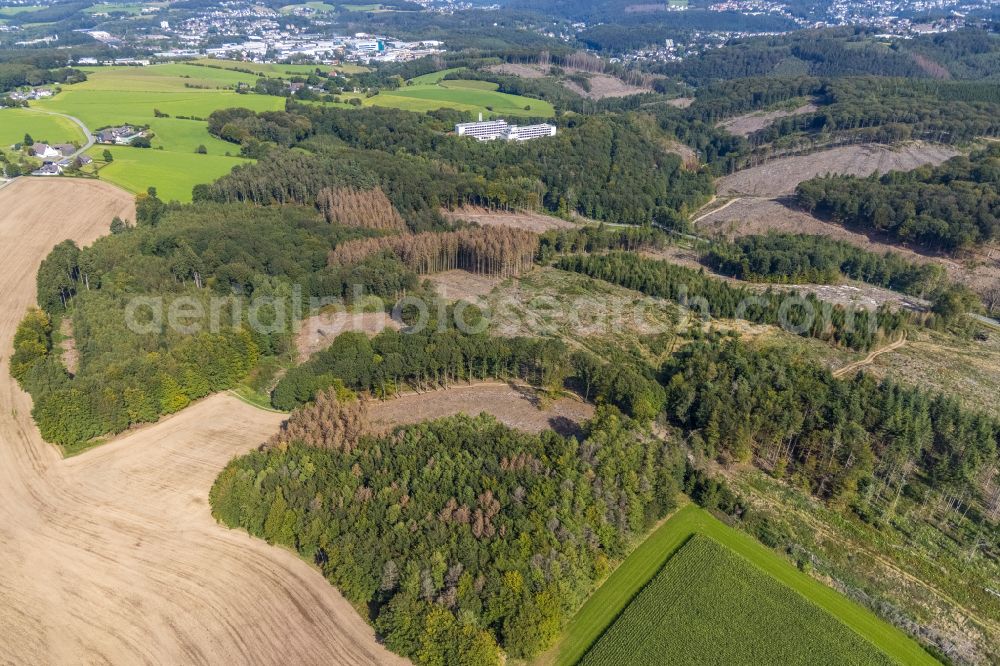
463	98
318	6
118	95
614	596
275	69
172	174
14	123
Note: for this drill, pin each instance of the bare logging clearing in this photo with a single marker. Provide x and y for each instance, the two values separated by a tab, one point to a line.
492	250
369	209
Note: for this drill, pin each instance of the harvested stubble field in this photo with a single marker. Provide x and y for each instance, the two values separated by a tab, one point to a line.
113	556
780	176
709	605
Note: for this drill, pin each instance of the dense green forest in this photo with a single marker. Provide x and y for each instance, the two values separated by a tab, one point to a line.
459	536
15	75
598	166
134	373
844	440
953	206
709	296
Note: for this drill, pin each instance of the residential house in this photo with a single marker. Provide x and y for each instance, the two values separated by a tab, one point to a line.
44	150
48	169
65	149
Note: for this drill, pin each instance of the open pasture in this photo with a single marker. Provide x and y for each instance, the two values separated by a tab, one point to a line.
135	95
15	123
470	96
275	69
173	174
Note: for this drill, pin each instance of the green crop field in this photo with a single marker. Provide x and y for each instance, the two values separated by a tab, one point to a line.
14	123
710	604
132	8
608	601
469	85
10	11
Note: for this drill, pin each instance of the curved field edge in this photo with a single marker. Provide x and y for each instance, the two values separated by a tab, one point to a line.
607	603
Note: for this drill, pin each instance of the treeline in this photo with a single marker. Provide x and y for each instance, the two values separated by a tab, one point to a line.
469	543
856	329
595	238
842	52
15	75
598	166
136	363
497	251
951	207
791	258
854	440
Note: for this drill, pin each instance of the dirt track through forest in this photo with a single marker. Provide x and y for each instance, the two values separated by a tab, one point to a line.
868	360
113	556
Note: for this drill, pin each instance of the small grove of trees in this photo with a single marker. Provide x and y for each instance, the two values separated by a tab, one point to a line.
439	356
857	329
947	208
465	539
857	440
791	258
500	251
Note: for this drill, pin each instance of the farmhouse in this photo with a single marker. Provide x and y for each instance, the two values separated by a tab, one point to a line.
499	129
44	150
65	149
122	136
48	169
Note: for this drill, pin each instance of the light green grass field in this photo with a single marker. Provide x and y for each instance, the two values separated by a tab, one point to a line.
318	6
117	95
710	604
172	174
14	123
112	7
11	11
433	77
475	99
469	85
608	601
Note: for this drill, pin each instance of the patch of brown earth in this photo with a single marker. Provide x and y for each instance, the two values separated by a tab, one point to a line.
517	406
779	177
319	331
749	123
70	354
523	219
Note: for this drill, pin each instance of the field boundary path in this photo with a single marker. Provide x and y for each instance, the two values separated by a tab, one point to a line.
868	360
113	556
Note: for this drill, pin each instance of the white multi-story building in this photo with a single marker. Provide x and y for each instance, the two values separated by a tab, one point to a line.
484	131
499	129
528	132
